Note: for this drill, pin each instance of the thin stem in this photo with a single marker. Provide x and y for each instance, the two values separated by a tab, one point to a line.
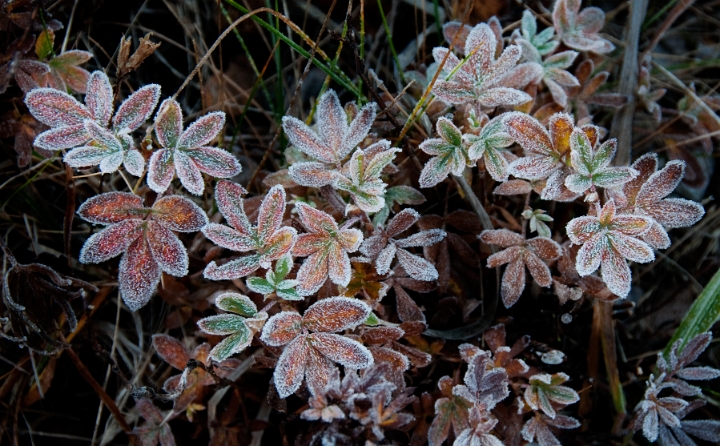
474	202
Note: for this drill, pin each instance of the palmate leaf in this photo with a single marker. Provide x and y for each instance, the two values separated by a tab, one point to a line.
326	247
450	154
185	152
520	254
146	237
592	164
609	239
450	411
545	388
362	177
578	29
335	139
310	355
268	240
275	282
486	145
235	325
478	78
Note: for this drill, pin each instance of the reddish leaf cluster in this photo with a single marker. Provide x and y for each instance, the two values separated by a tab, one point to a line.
144	236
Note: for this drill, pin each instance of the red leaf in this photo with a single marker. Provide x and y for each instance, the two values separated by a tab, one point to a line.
111	207
170	350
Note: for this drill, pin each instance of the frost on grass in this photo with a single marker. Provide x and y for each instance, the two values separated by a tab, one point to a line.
520	254
311	345
144	236
268	239
383	247
187	152
84	128
326	247
476	79
607	240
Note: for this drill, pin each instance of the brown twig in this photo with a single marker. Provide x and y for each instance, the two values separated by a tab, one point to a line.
623	120
109	402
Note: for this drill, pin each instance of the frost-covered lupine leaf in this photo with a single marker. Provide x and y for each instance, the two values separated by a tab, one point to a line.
537	428
478	79
326	247
361	176
234	324
547	154
661	418
489	145
331	143
607	240
541	41
450	154
397	195
275	282
450	411
520	254
382	247
592	165
579	29
545	388
645	195
308	355
268	240
144	235
75	124
186	152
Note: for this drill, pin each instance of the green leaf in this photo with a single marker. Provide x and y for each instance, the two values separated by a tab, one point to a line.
222	324
282	267
236	303
231	345
44	44
289	294
702	315
372	320
259	285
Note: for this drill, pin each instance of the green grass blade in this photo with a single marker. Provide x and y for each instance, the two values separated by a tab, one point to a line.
390	43
338	76
703	313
